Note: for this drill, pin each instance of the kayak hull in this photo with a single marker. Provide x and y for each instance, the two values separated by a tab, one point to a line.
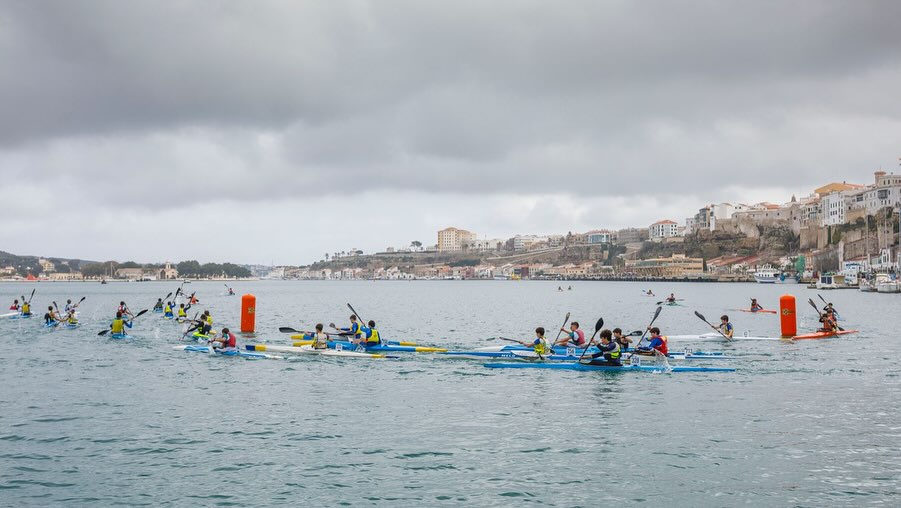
759	311
822	335
303	340
120	336
237	352
532	356
309	350
349	346
604	368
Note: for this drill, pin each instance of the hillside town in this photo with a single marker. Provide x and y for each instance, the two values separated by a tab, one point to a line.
840	227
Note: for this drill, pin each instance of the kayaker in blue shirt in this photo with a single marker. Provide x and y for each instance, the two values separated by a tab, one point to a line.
354	329
167	311
658	344
117	327
755	306
573	337
608	351
539	345
370	335
725	326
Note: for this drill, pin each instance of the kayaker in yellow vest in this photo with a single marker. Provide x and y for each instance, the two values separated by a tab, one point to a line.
539	345
72	319
370	335
609	352
26	308
320	339
725	326
167	310
354	330
182	314
118	325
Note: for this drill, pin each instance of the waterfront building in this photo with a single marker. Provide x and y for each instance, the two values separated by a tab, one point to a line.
663	229
453	239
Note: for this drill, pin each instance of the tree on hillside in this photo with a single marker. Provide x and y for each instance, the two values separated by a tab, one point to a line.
416	244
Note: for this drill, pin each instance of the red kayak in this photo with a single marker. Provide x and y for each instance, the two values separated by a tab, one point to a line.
822	335
760	311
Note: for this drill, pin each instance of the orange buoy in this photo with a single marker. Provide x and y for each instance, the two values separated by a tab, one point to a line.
788	317
248	313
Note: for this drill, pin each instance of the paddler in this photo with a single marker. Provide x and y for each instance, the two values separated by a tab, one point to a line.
830	324
609	352
320	339
26	307
182	312
755	306
226	342
370	335
69	308
671	298
167	310
658	344
829	308
118	325
124	309
539	345
51	317
354	330
726	327
71	318
15	305
231	292
206	323
624	342
158	306
574	336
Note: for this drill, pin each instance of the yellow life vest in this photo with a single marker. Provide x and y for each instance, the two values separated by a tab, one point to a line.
373	338
167	310
26	308
118	326
542	346
181	312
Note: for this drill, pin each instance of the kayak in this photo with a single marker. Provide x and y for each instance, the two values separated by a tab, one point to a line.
577	352
309	350
345	345
9	315
299	338
158	311
237	352
761	311
51	324
21	316
120	336
822	335
611	368
531	355
71	326
704	337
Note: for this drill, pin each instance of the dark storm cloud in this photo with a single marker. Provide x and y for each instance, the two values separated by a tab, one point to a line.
166	104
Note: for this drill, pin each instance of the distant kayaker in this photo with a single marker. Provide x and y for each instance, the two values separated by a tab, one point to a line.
658	344
69	308
26	307
206	323
370	335
609	352
559	288
158	306
354	329
726	327
671	298
225	342
15	305
320	339
72	319
755	306
182	314
539	345
167	310
569	288
117	327
50	318
574	336
231	292
124	309
624	342
193	300
829	308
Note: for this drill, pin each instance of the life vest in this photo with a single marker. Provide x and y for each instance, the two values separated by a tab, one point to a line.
209	319
14	307
355	330
167	310
118	326
578	337
181	312
663	347
320	341
541	347
372	338
159	305
229	340
26	308
72	319
616	353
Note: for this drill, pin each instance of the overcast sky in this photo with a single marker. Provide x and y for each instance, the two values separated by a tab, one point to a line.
277	131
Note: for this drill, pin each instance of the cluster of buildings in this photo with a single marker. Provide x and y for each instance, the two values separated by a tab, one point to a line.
51	272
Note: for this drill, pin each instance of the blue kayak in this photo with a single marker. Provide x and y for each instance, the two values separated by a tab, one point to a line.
389	348
528	354
158	311
120	336
21	316
577	352
236	352
51	324
582	366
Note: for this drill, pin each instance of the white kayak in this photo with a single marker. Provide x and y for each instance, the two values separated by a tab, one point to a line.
716	337
236	352
310	350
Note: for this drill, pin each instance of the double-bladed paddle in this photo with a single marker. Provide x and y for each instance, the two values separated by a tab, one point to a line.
597	328
702	318
645	332
104	332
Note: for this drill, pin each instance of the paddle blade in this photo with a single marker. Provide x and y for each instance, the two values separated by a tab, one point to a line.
599	325
657	313
636	333
104	332
287	329
701	316
141	313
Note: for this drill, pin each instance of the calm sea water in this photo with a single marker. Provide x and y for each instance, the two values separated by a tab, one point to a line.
89	420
